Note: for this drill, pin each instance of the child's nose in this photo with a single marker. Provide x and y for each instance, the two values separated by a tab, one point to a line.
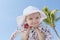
34	20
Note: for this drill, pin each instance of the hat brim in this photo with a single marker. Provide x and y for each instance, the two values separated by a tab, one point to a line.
21	19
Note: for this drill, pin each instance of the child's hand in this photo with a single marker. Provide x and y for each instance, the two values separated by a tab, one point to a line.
41	35
28	29
25	35
36	26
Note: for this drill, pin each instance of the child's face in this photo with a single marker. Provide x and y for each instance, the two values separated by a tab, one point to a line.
33	19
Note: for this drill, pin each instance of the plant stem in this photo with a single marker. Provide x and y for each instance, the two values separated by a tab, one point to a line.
56	33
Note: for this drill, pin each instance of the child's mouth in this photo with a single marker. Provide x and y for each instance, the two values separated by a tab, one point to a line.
35	23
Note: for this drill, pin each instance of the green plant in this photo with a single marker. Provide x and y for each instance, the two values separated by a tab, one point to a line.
51	18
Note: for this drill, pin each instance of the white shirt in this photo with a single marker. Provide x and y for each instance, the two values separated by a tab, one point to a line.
33	35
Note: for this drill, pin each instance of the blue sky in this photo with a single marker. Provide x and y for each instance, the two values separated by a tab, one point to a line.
10	9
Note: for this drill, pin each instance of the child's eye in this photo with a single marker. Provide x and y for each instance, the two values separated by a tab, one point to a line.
30	18
37	17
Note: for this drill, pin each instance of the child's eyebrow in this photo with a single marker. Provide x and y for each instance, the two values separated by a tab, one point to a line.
30	17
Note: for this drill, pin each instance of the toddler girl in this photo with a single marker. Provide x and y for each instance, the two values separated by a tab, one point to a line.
30	27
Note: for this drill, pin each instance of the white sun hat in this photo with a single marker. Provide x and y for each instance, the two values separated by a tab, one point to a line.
27	11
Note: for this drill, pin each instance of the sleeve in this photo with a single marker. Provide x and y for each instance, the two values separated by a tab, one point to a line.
48	34
14	35
21	29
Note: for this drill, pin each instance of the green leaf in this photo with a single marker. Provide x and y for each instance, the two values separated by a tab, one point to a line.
47	21
53	14
54	11
52	18
46	11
